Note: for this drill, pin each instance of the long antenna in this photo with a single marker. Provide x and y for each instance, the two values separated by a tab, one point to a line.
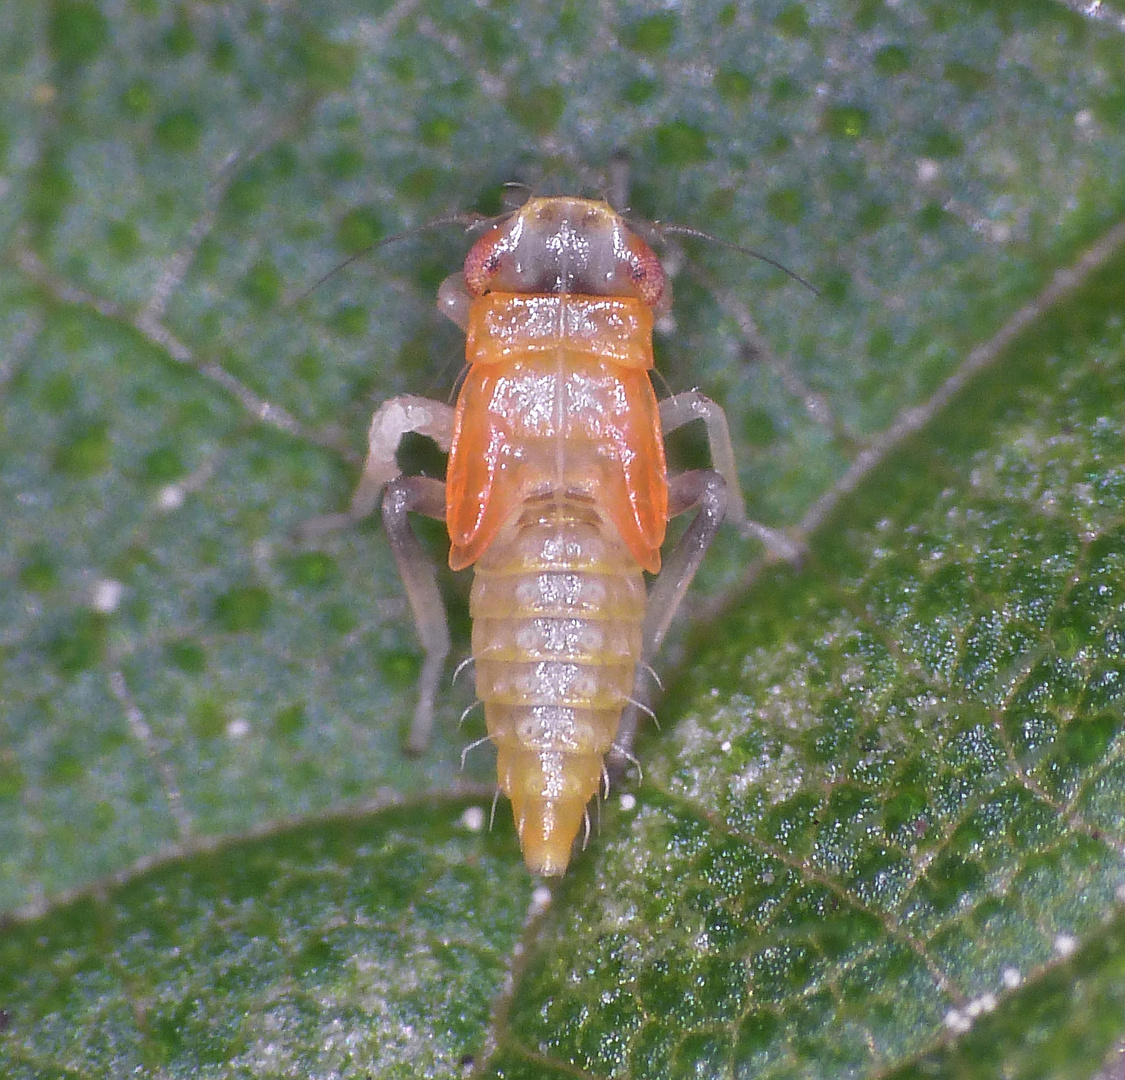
661	228
470	221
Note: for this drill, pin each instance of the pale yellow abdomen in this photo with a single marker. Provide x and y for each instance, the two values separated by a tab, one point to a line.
557	605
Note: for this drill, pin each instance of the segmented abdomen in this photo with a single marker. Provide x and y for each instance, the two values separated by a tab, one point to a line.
557	605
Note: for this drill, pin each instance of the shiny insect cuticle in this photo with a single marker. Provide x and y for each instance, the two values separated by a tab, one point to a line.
558	495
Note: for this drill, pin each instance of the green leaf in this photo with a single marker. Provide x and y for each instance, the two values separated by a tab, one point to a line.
880	831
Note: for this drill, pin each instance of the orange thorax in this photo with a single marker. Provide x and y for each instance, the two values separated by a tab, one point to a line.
557	400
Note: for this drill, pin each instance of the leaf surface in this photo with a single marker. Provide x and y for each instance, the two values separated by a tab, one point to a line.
880	831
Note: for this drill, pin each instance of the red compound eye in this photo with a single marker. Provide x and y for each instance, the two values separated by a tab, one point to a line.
646	272
483	260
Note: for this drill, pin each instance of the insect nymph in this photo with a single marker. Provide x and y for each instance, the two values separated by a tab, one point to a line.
557	492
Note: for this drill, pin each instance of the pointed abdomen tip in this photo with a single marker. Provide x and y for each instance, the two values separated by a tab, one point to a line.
548	832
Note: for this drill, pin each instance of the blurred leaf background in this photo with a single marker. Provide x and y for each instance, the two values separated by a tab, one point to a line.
880	831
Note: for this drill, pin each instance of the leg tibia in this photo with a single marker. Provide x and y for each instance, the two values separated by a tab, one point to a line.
682	409
392	420
419	577
708	491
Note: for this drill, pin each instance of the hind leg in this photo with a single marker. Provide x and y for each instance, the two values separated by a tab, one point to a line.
402	495
708	491
718	497
422	495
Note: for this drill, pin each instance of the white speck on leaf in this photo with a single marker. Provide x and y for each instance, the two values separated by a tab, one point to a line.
106	596
1065	944
540	900
958	1021
928	170
472	819
171	497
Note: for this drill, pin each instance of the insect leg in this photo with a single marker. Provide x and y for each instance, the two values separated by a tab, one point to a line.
707	490
392	420
419	577
703	488
682	409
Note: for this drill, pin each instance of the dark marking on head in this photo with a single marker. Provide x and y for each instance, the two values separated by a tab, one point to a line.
564	245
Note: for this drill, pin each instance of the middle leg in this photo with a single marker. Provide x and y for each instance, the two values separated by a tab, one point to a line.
681	409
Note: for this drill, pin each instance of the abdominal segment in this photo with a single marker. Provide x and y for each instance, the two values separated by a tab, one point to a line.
557	606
